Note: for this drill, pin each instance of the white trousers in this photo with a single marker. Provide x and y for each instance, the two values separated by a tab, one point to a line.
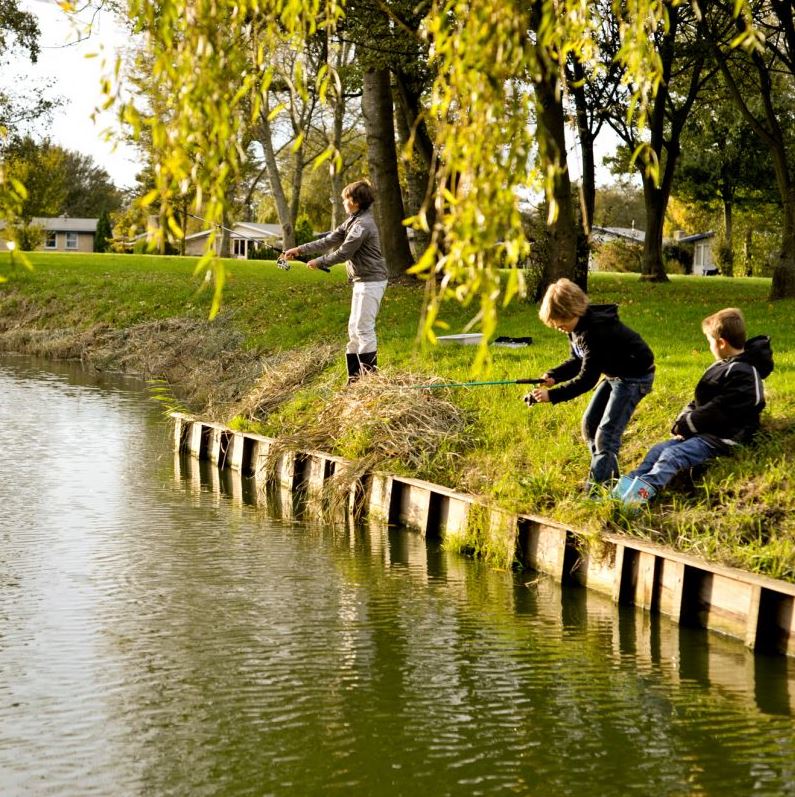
365	302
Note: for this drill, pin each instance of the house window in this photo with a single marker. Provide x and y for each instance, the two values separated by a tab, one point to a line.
71	240
51	241
239	247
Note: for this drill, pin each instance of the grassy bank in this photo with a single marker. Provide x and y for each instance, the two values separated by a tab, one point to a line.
145	314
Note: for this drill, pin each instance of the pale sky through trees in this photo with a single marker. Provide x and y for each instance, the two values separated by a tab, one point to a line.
77	80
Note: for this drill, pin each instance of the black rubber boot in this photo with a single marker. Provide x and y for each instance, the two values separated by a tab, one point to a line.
369	361
354	367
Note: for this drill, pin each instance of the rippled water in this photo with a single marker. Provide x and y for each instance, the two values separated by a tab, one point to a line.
162	633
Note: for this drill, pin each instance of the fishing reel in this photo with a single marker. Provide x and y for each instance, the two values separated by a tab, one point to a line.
282	262
530	399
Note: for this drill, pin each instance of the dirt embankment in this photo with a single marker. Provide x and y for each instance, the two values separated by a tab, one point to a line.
205	363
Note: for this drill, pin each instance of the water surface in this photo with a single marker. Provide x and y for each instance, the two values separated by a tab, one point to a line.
163	632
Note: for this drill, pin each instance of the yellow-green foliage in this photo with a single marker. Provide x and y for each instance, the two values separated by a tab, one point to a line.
483	53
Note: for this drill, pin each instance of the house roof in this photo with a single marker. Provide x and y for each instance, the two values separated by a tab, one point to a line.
62	224
245	229
699	236
628	233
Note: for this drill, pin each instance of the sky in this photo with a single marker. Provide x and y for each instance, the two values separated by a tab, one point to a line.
77	79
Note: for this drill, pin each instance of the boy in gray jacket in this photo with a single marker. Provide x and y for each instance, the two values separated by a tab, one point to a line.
356	241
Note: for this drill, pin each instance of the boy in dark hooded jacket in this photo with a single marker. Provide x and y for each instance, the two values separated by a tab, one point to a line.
600	345
725	412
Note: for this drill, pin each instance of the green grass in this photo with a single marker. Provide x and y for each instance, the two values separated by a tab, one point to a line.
742	512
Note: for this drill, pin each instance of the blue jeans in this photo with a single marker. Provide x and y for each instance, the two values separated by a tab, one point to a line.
605	419
667	459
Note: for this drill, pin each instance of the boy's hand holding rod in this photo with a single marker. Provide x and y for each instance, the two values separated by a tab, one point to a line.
313	264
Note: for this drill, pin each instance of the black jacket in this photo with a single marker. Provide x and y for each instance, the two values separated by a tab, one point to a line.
600	344
729	397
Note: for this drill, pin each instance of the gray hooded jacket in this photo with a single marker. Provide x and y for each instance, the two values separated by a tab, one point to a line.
356	241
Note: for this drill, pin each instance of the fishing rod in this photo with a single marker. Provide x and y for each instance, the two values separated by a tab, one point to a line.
480	384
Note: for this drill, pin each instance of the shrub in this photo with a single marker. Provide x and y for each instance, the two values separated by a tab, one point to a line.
304	233
678	259
619	255
724	257
28	237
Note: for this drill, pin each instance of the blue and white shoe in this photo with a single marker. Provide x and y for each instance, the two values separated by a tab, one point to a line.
638	494
622	487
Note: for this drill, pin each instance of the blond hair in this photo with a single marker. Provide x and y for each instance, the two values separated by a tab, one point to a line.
563	301
728	324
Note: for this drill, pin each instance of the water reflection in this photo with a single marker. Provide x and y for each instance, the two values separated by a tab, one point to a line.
168	628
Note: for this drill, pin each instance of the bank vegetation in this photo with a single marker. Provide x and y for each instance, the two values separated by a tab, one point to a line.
272	361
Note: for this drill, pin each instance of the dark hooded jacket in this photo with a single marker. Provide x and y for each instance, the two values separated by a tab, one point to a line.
729	397
600	344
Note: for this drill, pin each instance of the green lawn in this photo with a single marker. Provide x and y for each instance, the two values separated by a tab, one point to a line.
526	459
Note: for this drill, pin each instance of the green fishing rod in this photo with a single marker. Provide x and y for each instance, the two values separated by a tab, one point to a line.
436	385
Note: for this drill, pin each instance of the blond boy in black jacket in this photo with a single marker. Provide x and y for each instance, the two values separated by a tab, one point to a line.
600	346
724	413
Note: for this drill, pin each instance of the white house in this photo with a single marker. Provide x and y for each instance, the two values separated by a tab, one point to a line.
244	236
603	235
61	234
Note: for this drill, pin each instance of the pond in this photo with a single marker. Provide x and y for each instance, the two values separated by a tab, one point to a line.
165	630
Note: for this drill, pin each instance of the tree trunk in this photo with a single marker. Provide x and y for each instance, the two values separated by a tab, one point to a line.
337	208
275	180
586	146
552	146
417	175
783	286
295	188
588	177
223	249
747	250
382	160
727	256
652	269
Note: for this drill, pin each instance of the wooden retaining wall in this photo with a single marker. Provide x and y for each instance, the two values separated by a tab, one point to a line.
759	611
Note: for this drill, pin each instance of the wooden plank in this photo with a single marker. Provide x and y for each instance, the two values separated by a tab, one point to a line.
414	504
547	549
645	583
453	514
380	496
195	439
671	580
237	451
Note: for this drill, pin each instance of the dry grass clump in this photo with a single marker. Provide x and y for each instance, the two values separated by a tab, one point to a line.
281	376
384	420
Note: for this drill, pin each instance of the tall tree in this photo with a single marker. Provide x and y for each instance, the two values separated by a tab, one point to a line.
484	119
682	55
382	157
723	160
291	131
60	181
761	81
18	30
393	59
548	92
